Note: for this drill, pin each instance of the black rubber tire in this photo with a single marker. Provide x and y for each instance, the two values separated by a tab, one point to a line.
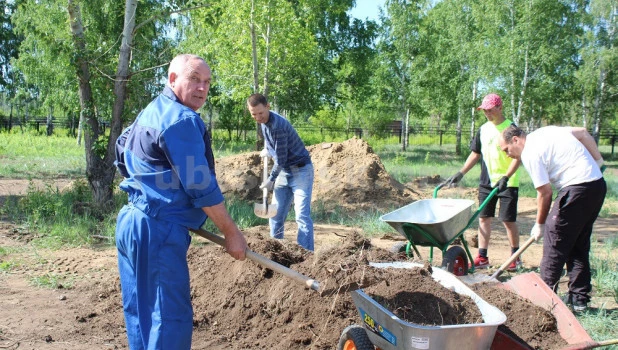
358	336
455	261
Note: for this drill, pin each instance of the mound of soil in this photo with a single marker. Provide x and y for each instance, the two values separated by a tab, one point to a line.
525	321
243	306
347	174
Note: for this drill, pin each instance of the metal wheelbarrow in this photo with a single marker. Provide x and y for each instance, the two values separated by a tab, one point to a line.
382	329
438	222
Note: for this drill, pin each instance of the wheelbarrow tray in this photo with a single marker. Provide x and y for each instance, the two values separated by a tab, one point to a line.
531	287
387	331
441	218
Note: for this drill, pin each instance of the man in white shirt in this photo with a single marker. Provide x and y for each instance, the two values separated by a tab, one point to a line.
568	159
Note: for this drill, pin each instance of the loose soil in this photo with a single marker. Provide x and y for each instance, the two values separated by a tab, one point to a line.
239	305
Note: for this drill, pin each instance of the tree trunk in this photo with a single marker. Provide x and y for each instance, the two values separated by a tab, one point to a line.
472	123
404	130
120	91
267	54
259	144
524	86
599	104
95	167
50	121
458	132
584	111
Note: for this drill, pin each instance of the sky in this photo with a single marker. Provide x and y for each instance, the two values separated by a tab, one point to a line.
367	9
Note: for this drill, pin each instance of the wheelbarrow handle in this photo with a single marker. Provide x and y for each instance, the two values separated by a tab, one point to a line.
263	261
435	190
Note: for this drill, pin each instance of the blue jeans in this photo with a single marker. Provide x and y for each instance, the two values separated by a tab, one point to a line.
296	183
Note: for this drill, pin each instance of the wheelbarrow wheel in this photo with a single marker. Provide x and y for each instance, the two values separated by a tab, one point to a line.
399	247
455	261
354	337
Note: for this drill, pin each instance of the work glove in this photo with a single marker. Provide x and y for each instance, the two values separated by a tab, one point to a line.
269	185
502	183
537	231
264	153
453	180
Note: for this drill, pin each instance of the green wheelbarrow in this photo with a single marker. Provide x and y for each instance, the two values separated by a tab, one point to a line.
438	222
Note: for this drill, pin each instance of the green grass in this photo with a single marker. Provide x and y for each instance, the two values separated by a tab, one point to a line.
29	155
52	281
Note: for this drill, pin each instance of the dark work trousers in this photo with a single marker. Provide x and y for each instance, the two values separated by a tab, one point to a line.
567	236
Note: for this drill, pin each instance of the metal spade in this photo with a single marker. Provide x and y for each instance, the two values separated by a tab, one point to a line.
264	210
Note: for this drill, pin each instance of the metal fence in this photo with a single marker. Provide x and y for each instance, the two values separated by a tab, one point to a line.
416	135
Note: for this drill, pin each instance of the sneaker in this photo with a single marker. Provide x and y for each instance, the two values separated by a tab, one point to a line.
515	265
481	262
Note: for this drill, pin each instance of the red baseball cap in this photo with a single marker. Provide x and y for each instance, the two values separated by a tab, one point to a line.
490	101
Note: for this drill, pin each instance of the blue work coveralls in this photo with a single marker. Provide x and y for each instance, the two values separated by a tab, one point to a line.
168	165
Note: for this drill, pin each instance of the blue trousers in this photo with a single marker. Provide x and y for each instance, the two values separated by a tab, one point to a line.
295	184
154	277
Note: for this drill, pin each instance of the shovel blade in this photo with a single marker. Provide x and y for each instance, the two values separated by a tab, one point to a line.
265	211
477	278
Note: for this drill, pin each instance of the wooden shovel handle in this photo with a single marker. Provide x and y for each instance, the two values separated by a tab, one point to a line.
513	257
265	262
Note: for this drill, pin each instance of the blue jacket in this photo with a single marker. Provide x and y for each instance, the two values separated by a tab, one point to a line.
168	164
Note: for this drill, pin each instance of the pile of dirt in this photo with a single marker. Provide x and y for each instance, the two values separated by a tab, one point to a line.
417	298
347	174
242	306
525	321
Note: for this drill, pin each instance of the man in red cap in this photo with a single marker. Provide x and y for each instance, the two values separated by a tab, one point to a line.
497	170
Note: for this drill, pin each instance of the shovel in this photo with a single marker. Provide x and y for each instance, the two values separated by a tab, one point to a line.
264	262
473	279
264	210
287	272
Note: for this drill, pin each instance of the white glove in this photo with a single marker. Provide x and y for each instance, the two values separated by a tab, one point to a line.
264	153
599	162
537	231
269	185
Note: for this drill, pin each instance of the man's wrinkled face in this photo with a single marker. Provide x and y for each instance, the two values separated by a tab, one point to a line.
512	149
260	112
192	84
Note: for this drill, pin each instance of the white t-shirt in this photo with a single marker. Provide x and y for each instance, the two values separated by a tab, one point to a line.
553	155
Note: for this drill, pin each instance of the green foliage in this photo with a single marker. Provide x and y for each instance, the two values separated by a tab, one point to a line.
99	147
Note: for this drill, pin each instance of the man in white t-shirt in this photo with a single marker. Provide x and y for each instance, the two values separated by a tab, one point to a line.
568	159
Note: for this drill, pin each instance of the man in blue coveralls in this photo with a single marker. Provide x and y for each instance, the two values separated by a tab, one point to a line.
292	175
167	161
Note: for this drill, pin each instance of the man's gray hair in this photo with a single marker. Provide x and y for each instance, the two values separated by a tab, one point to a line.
512	131
179	63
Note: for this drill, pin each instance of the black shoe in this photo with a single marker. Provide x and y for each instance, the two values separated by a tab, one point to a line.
580	306
575	305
